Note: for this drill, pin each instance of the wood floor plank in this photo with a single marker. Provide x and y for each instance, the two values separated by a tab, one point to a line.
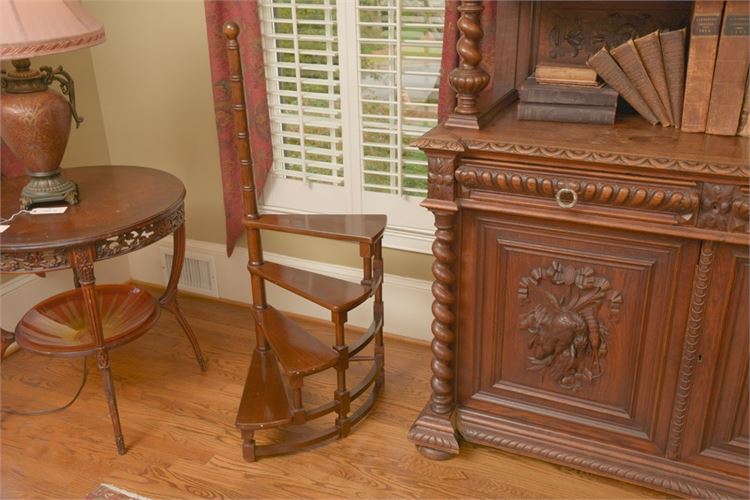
179	429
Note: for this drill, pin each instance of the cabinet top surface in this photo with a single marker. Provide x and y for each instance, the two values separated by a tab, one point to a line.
630	142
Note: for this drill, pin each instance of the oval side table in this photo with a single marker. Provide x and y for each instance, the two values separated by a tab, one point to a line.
121	209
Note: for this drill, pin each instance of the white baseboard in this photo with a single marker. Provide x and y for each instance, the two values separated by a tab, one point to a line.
26	290
407	300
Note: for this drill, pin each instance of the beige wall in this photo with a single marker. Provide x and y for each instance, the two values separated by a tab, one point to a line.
155	92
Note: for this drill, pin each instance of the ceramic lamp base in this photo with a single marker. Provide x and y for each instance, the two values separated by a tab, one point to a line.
48	187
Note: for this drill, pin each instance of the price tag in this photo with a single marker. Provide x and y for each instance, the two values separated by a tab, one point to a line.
48	210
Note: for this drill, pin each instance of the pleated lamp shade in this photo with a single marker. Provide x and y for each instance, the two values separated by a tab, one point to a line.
31	28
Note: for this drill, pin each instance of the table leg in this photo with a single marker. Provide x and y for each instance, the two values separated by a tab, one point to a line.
169	299
83	267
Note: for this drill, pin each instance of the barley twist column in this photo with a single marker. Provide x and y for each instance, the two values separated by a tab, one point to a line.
433	432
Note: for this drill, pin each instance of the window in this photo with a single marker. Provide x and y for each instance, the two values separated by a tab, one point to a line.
350	85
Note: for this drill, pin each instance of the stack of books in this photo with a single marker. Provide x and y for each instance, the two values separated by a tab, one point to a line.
564	93
649	72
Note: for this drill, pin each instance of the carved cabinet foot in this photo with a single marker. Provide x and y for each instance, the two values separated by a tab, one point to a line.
434	435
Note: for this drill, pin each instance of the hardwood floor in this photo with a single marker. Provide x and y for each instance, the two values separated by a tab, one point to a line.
179	429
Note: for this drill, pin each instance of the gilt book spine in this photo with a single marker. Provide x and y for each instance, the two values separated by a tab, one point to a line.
730	74
627	57
649	48
531	91
569	113
673	53
704	39
611	73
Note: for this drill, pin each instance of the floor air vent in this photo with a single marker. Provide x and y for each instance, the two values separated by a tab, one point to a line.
198	273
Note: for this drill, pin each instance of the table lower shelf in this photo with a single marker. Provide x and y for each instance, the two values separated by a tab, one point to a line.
59	325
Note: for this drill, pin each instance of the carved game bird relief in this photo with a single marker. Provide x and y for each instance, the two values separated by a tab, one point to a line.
561	309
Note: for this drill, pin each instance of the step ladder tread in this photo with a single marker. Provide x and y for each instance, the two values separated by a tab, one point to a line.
350	227
264	402
332	293
298	351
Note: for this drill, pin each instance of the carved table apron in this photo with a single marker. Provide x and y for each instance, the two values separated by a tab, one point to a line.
121	209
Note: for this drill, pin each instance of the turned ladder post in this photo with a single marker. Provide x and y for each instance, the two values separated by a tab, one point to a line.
242	140
249	202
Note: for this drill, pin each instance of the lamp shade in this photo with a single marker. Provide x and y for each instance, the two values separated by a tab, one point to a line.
30	28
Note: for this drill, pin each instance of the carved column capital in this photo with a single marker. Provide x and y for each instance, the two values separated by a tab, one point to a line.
440	176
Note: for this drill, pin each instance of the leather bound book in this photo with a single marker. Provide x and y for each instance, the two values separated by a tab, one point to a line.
673	53
601	95
704	39
569	113
649	48
627	57
611	73
730	74
565	74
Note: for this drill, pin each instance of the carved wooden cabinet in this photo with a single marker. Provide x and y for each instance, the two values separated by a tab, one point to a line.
591	293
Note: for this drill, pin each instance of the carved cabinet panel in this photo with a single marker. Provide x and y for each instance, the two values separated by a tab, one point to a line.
572	329
717	420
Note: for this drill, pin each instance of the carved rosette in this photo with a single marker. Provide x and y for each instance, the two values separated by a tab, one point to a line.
724	208
468	79
690	347
682	202
561	317
440	177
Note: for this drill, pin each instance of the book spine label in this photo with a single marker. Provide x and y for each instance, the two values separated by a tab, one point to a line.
630	62
611	73
730	74
557	95
673	53
650	50
704	30
566	113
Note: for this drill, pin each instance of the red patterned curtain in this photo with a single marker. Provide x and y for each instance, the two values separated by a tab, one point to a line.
245	14
446	95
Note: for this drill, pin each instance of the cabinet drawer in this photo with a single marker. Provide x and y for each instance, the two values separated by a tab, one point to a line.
579	192
572	329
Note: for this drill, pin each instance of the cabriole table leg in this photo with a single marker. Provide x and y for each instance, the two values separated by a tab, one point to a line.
169	299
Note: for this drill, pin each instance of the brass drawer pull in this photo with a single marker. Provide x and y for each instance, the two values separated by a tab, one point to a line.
566	198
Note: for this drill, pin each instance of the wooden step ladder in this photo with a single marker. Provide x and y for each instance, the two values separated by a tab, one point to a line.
285	353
